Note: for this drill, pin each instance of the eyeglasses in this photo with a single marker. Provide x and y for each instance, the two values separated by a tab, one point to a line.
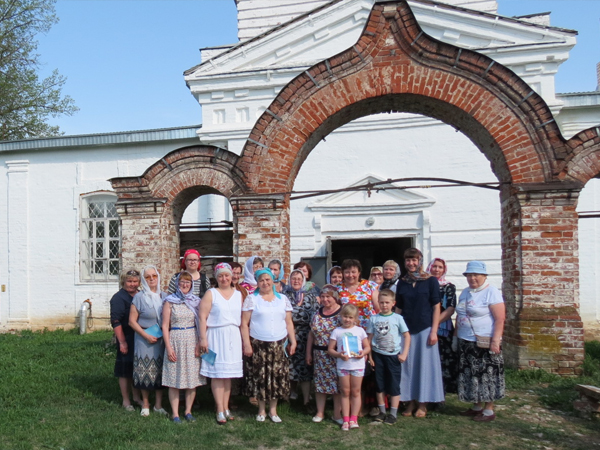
151	277
133	273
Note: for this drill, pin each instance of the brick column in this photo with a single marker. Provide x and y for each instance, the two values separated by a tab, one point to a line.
541	278
261	227
149	237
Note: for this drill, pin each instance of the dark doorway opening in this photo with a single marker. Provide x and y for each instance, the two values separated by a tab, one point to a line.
370	252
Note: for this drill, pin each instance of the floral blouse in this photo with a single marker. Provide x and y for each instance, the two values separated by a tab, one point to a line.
362	298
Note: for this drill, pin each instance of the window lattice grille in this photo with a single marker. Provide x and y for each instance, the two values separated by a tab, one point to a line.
101	241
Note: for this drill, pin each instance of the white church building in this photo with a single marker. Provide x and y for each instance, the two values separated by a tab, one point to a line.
60	228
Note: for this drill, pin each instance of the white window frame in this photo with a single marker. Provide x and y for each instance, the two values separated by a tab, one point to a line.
100	245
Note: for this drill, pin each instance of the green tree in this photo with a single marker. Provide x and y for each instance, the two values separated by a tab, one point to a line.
26	101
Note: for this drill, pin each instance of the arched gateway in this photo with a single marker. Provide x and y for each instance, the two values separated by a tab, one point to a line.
394	66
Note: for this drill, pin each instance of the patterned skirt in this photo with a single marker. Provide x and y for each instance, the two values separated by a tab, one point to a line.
267	371
148	364
299	370
449	359
481	374
325	373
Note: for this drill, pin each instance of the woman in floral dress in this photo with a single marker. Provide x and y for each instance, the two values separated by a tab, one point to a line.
323	323
305	304
363	294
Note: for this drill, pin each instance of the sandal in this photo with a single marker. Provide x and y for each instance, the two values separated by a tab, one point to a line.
221	419
228	415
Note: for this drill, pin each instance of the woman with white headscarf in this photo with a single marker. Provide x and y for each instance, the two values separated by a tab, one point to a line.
253	264
305	304
180	330
391	275
146	312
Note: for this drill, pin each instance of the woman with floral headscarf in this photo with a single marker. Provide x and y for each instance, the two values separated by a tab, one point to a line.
180	330
253	264
305	304
449	358
191	264
146	312
220	320
418	300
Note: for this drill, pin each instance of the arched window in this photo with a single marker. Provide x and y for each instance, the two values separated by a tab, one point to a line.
100	238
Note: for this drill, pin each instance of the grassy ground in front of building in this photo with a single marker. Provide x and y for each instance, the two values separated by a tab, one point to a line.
57	392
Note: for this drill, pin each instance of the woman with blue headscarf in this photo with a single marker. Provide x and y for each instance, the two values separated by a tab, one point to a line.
182	362
266	323
305	304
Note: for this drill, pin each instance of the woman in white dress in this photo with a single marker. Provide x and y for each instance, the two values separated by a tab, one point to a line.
220	319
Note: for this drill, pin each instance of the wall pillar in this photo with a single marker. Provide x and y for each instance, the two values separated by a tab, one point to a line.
149	237
541	278
262	228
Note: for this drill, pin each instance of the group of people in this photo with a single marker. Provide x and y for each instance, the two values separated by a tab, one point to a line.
379	341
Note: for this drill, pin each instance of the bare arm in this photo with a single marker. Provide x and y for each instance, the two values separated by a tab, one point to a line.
405	348
289	324
331	349
245	330
435	323
499	313
375	299
166	325
446	314
366	348
121	339
371	361
203	312
309	348
133	323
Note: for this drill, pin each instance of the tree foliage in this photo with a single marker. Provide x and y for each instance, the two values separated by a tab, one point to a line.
26	101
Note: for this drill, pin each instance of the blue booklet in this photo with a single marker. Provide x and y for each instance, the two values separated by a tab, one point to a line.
155	331
209	357
351	347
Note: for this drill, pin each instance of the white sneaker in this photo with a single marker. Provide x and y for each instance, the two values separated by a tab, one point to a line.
145	412
275	418
260	418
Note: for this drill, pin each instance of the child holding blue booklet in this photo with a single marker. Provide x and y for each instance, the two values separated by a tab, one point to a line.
390	341
349	344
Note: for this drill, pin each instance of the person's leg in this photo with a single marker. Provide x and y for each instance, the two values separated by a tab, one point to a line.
174	400
355	397
320	400
218	389
190	395
135	393
261	408
145	399
226	392
273	407
158	401
124	387
337	406
344	387
305	388
421	410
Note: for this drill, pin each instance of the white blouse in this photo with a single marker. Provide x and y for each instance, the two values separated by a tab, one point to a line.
267	322
473	312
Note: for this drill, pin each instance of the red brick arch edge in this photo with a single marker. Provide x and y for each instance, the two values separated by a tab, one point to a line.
394	66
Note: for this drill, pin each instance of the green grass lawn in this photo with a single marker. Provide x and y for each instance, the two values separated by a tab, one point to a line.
57	392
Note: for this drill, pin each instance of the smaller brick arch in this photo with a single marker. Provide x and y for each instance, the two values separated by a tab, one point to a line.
151	206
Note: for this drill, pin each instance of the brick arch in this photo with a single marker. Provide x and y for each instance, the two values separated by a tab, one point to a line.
583	162
394	66
151	206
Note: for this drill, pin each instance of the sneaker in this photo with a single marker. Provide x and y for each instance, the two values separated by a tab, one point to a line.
317	419
339	421
390	420
379	417
353	424
260	418
145	412
161	411
345	426
177	420
275	418
375	411
190	418
129	408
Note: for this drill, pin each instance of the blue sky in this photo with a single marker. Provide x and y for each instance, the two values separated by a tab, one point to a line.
124	59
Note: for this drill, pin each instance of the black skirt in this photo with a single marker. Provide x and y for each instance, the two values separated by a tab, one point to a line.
124	363
481	374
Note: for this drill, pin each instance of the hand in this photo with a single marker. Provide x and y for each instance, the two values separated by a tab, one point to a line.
402	357
248	350
495	347
197	351
203	346
371	362
455	344
432	339
171	355
291	348
123	347
344	357
360	354
309	358
150	339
